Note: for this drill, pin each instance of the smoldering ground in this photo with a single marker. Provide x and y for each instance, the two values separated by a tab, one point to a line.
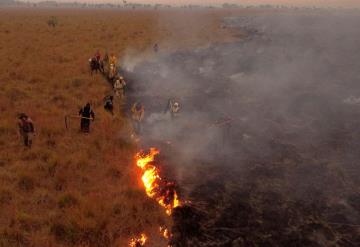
267	143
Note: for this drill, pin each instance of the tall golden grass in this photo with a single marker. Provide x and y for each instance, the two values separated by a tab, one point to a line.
72	189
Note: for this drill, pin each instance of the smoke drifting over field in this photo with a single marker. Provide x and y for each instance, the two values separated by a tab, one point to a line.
267	143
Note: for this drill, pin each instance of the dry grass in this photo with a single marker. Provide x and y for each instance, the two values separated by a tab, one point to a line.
72	189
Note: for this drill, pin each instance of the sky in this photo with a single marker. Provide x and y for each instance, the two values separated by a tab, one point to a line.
330	3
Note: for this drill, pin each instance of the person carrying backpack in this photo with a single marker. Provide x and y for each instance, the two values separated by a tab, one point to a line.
26	129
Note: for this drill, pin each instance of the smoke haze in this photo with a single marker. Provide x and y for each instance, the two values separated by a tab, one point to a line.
322	3
267	140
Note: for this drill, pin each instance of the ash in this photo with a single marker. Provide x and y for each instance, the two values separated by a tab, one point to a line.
266	145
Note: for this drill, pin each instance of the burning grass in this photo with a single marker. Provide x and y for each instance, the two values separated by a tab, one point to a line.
157	187
284	173
138	242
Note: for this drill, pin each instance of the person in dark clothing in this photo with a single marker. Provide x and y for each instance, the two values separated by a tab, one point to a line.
86	114
108	104
156	47
26	129
98	56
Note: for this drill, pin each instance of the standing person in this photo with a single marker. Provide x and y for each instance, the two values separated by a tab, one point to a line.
137	111
106	57
156	47
86	114
112	67
99	62
174	108
26	129
112	72
98	56
119	87
112	59
108	104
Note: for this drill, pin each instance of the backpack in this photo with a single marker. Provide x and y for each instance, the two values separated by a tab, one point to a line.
27	126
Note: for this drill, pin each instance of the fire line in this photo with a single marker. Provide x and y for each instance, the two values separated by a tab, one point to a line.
155	186
140	241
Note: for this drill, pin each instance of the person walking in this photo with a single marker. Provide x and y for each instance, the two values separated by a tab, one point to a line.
26	129
137	116
119	87
86	114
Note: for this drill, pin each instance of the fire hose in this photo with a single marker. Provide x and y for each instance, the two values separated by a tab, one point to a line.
74	116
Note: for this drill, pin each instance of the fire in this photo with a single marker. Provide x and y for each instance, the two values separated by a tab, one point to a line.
137	242
164	232
163	192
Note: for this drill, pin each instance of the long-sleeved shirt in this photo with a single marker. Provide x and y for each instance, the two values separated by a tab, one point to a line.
87	112
26	126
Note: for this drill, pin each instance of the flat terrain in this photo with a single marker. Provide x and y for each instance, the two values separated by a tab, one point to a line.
266	146
74	189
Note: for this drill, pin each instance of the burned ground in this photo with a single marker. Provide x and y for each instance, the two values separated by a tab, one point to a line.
284	171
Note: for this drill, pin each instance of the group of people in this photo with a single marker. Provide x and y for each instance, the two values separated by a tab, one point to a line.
97	64
86	114
117	94
119	84
137	113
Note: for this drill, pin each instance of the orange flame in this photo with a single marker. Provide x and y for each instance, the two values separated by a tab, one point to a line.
140	241
163	192
164	232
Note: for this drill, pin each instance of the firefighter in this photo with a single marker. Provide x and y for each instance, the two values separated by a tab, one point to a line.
112	59
26	129
119	87
112	71
156	47
137	116
173	108
106	57
97	56
108	104
86	114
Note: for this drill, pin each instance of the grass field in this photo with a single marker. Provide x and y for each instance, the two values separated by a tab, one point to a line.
72	189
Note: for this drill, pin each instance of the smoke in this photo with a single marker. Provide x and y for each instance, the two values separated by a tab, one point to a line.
268	127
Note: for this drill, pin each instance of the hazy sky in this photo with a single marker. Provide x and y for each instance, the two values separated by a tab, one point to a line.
342	3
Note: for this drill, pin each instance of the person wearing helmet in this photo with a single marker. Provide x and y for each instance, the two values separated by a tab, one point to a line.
86	114
119	87
174	108
137	116
112	72
112	59
26	129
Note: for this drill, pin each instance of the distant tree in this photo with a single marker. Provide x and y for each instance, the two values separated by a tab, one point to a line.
7	2
230	5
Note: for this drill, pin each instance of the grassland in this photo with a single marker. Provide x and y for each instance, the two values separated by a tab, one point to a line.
72	189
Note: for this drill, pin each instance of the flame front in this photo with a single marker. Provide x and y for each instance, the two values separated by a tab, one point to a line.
137	242
163	192
164	232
